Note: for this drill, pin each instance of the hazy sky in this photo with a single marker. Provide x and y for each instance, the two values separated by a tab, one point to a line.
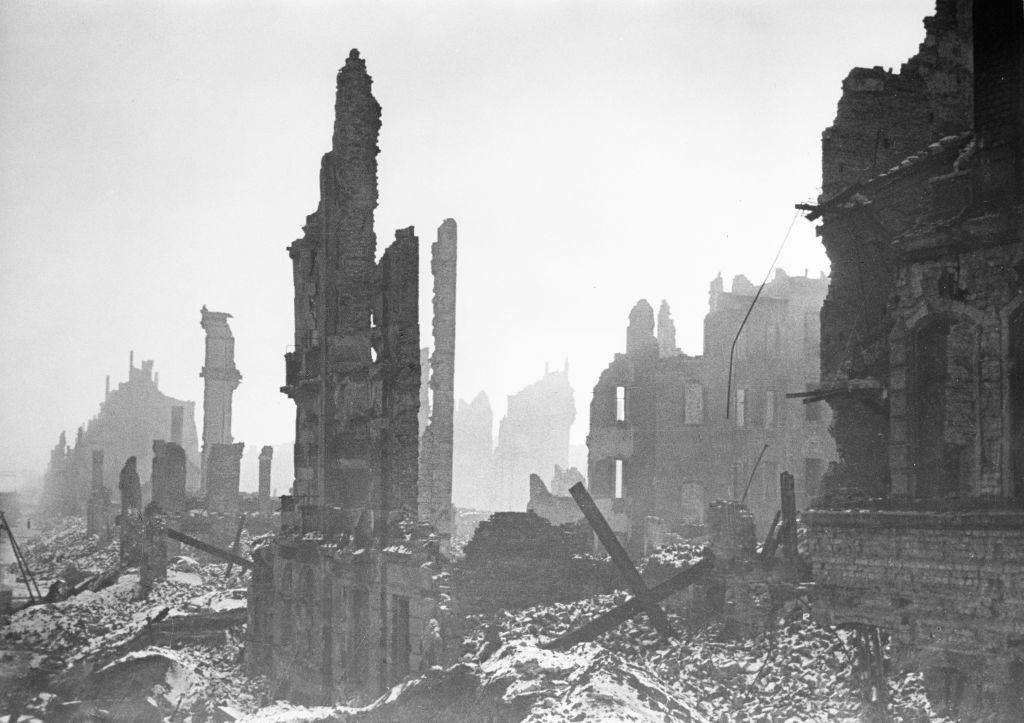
160	156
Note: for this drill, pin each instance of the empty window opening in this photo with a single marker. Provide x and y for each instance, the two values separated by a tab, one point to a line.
928	394
618	479
1017	402
620	404
741	407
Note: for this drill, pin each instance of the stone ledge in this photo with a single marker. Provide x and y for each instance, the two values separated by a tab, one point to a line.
917	519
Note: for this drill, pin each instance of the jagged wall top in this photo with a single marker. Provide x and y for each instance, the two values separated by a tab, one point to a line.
354	104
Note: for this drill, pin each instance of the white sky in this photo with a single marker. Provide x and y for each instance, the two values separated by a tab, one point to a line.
159	156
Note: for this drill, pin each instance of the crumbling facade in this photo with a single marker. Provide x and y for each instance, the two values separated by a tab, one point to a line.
533	437
921	532
661	445
435	480
129	419
347	599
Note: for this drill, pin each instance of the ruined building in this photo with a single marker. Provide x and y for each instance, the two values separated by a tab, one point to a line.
921	531
533	437
346	600
129	419
222	456
660	444
473	464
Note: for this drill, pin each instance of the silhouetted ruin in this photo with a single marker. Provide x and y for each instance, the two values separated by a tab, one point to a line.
921	534
130	418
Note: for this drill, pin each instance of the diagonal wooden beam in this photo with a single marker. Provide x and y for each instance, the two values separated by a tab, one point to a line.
613	618
611	543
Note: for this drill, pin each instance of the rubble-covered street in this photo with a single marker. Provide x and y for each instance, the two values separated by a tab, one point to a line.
177	656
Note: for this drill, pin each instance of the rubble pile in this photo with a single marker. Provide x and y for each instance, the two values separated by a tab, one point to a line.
517	559
795	670
62	546
180	648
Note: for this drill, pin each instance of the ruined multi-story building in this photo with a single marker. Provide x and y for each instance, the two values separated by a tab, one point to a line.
346	599
662	443
130	418
473	479
221	454
533	437
921	531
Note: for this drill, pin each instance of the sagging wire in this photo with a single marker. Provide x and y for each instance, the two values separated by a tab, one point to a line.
732	349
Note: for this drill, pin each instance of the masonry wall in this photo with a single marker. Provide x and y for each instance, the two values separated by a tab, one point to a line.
948	586
333	626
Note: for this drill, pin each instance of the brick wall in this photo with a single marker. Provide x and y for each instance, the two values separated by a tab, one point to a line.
949	586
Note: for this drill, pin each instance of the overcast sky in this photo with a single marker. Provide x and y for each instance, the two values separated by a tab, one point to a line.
160	156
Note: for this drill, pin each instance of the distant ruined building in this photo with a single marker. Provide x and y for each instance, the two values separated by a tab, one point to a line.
347	599
533	437
130	418
920	531
473	479
660	444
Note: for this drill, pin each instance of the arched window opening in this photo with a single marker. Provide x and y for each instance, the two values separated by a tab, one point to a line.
934	474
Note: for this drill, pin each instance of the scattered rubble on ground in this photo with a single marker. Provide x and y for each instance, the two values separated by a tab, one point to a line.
177	655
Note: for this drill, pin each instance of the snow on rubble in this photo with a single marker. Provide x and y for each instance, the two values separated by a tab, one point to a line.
179	648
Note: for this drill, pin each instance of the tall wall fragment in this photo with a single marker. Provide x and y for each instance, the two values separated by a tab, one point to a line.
169	467
266	459
435	485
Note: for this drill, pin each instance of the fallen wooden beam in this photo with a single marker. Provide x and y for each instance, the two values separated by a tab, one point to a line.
206	547
621	559
613	618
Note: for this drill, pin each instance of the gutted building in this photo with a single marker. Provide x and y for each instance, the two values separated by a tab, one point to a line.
130	417
921	530
346	599
670	432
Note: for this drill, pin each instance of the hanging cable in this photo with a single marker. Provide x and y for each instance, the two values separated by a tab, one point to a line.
732	349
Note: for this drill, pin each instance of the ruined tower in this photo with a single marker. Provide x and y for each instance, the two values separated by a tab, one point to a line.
355	371
355	378
221	379
435	482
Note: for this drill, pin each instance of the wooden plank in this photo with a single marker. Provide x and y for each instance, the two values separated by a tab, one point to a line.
611	543
206	547
613	618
